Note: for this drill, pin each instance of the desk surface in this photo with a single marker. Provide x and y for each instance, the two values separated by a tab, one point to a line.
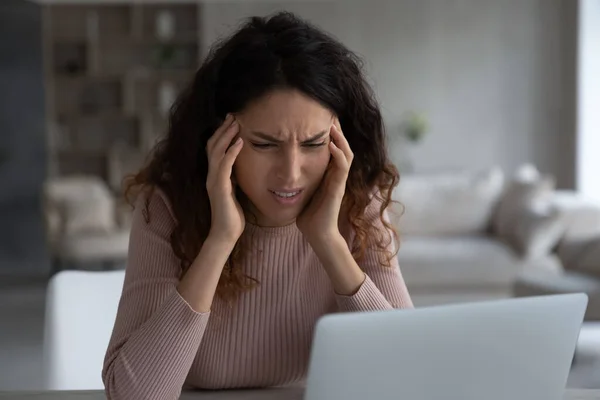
264	394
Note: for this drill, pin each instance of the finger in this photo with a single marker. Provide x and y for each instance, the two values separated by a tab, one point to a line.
213	162
336	122
341	143
339	157
223	142
334	175
219	132
230	157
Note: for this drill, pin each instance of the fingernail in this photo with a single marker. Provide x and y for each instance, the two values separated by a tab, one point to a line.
238	140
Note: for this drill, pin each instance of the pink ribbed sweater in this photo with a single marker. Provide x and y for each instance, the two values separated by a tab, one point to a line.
160	344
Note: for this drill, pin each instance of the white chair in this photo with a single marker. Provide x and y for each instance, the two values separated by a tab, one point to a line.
81	307
84	223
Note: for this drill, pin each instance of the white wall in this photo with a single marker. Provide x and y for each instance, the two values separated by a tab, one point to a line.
489	74
588	99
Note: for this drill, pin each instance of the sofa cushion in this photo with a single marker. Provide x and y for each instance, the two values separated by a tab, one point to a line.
538	231
94	246
516	199
90	215
541	283
448	203
463	262
83	203
582	226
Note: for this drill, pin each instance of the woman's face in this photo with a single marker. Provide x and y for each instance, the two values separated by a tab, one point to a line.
285	154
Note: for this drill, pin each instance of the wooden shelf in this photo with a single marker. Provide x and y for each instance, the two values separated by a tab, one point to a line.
154	74
100	115
105	64
179	39
87	78
80	153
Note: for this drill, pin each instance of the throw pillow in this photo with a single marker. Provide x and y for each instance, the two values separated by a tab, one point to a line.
92	214
517	197
83	203
538	231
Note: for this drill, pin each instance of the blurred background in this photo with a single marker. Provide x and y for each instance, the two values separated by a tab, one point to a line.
492	108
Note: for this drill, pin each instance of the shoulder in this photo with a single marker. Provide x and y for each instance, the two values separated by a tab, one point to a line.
153	208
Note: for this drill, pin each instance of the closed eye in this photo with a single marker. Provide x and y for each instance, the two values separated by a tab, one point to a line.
262	145
270	145
315	144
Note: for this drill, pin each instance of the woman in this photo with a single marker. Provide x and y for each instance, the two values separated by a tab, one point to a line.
264	208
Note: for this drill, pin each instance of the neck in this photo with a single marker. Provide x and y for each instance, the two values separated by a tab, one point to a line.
255	217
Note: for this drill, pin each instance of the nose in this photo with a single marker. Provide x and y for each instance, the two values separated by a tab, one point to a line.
289	167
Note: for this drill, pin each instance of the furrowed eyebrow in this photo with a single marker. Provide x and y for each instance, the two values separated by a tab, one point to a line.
266	136
270	138
316	137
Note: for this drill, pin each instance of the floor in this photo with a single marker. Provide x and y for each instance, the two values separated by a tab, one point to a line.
21	338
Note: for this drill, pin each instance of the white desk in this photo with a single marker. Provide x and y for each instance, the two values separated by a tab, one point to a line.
264	394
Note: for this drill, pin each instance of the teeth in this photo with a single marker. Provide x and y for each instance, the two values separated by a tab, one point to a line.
286	194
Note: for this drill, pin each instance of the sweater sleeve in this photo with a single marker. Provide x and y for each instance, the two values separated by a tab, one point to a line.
156	333
384	287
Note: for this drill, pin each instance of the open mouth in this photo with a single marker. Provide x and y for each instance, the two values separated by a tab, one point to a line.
286	195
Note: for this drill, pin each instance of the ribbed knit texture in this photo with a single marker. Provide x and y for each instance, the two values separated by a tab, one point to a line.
160	344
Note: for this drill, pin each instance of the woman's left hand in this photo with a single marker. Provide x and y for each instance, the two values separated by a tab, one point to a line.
319	220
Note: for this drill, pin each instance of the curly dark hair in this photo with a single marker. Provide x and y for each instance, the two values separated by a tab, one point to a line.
277	52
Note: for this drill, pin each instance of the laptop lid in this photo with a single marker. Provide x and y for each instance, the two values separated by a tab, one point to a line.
514	349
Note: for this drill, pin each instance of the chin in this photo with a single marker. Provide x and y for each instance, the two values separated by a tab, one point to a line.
278	217
274	214
281	219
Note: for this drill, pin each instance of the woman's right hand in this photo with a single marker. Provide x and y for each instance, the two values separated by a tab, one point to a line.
228	220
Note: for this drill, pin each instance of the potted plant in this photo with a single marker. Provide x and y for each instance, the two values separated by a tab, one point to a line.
415	127
412	132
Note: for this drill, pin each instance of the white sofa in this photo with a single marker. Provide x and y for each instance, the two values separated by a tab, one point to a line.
581	273
579	252
468	236
84	223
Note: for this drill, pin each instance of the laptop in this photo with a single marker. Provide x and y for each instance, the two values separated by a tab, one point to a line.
512	349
